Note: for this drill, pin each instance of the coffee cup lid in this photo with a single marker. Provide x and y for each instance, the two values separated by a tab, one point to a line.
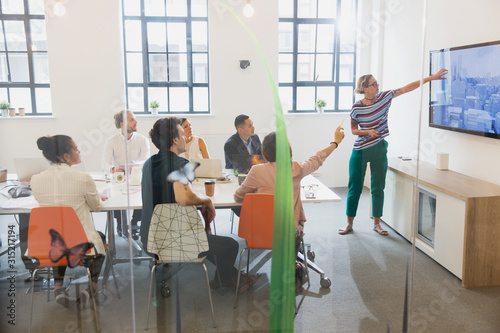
208	182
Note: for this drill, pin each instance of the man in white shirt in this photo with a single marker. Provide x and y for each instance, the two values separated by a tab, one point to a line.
114	158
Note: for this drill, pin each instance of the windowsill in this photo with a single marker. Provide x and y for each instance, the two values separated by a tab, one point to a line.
30	117
301	114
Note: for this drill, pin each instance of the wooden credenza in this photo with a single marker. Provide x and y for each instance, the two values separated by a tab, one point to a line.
467	222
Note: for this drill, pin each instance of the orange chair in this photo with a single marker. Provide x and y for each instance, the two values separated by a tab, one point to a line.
255	226
62	225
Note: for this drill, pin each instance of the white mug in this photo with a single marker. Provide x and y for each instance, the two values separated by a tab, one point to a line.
119	177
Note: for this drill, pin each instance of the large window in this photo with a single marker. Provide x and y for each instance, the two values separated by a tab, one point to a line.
166	55
24	66
317	54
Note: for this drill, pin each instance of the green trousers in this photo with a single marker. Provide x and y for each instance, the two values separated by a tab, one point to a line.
377	157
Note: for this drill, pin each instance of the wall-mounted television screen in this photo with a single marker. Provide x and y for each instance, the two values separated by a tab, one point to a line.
468	100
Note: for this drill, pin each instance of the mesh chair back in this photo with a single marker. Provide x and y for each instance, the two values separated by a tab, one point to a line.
176	233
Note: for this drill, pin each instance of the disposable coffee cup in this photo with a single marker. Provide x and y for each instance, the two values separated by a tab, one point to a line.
210	188
3	175
241	178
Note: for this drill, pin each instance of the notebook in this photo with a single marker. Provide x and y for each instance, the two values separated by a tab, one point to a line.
243	162
209	168
29	166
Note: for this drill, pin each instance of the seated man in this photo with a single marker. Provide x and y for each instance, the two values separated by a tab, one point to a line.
115	155
244	141
168	136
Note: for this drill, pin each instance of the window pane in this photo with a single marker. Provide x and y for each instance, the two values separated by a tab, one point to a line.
176	8
306	8
16	36
305	98
328	94
346	68
305	67
327	9
12	7
177	67
286	8
348	10
307	34
179	99
200	99
135	99
285	37
200	68
2	40
18	63
41	68
4	73
159	94
176	37
3	95
199	39
345	98
38	35
285	71
326	37
286	98
154	7
158	68
157	37
347	36
132	7
134	68
20	98
43	100
133	38
324	65
36	7
199	8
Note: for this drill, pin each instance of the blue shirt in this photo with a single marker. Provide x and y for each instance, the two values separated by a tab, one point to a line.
372	116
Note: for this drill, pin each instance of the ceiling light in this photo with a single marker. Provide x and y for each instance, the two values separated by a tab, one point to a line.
248	10
59	9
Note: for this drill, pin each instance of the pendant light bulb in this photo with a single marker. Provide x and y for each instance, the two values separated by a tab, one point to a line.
59	9
248	10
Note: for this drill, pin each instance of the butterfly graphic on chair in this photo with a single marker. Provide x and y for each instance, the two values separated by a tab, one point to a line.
184	175
59	250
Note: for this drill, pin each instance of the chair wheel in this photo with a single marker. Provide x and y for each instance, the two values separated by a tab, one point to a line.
311	255
100	297
165	290
325	283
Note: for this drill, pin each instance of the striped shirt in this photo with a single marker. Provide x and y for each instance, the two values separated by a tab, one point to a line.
372	116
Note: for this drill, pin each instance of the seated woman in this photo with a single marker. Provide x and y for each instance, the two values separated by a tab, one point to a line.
261	178
195	146
61	185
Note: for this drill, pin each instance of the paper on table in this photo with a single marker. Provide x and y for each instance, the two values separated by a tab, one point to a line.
24	202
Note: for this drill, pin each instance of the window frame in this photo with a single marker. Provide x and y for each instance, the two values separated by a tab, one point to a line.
26	19
334	83
146	83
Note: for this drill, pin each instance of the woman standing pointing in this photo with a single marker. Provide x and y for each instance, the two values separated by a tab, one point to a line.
369	123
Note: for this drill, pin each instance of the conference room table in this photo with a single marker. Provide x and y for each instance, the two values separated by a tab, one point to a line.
125	196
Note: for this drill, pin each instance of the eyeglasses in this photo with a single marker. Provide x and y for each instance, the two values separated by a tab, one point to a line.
310	188
374	84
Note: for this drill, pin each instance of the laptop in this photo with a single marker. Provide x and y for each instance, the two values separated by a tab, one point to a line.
209	168
243	162
29	166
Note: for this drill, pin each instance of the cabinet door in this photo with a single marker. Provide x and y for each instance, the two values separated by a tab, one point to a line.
398	203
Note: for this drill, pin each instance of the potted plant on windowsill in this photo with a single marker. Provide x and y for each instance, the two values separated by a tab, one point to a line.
4	106
320	105
154	105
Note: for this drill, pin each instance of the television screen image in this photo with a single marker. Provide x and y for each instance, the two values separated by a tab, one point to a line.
469	99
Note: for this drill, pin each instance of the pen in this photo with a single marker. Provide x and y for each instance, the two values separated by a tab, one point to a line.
342	122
